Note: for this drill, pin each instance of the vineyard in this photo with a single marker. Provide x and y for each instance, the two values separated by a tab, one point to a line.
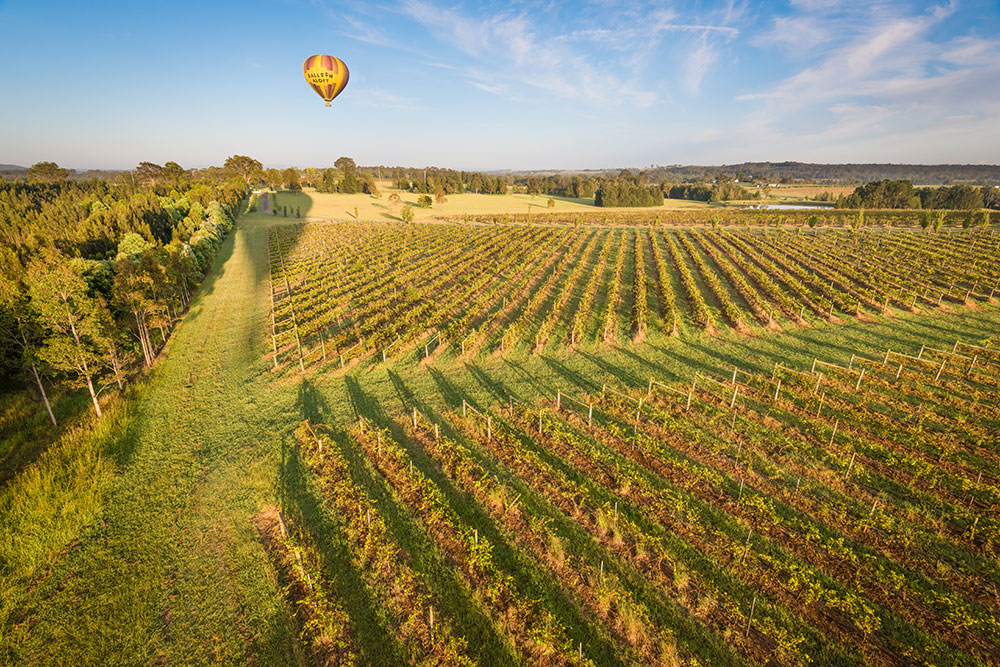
344	294
840	512
762	217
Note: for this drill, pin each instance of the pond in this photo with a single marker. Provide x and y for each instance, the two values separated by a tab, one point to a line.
790	207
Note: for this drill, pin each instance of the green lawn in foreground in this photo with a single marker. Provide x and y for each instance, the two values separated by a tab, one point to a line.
169	569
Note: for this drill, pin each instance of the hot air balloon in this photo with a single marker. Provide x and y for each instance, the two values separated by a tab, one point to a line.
327	75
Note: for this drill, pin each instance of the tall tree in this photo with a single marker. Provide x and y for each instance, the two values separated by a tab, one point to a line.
290	179
149	172
47	172
172	174
60	296
345	163
273	178
19	326
349	184
245	167
133	292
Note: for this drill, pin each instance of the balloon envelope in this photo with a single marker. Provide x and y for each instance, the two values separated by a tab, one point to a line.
327	75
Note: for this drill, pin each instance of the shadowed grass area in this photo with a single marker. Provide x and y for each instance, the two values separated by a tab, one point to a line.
25	429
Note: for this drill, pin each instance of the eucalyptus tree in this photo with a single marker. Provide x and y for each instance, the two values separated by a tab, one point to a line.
19	324
71	317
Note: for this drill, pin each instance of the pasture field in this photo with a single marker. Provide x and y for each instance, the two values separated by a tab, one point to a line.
378	444
335	206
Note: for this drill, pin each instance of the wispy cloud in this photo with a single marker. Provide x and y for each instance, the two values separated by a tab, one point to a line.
697	64
885	53
881	79
813	73
382	99
507	52
364	31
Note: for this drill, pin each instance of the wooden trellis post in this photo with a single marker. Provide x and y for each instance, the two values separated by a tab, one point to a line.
274	340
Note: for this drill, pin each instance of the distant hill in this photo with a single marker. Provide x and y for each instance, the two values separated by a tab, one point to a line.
12	167
847	174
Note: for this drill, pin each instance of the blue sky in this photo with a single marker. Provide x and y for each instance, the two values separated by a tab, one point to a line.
492	85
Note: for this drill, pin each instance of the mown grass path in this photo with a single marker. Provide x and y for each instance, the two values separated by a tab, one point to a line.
171	570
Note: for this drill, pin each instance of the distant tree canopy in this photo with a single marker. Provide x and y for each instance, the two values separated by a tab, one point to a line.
290	179
957	197
148	173
901	194
883	194
343	178
804	172
724	189
91	268
623	193
47	172
245	167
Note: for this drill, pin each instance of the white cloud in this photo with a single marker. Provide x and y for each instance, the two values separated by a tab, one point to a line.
496	90
797	34
968	50
697	65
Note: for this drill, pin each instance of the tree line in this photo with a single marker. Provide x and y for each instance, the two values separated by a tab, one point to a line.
831	174
95	274
900	194
623	193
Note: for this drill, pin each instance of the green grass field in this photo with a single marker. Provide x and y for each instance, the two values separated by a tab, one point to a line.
135	542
